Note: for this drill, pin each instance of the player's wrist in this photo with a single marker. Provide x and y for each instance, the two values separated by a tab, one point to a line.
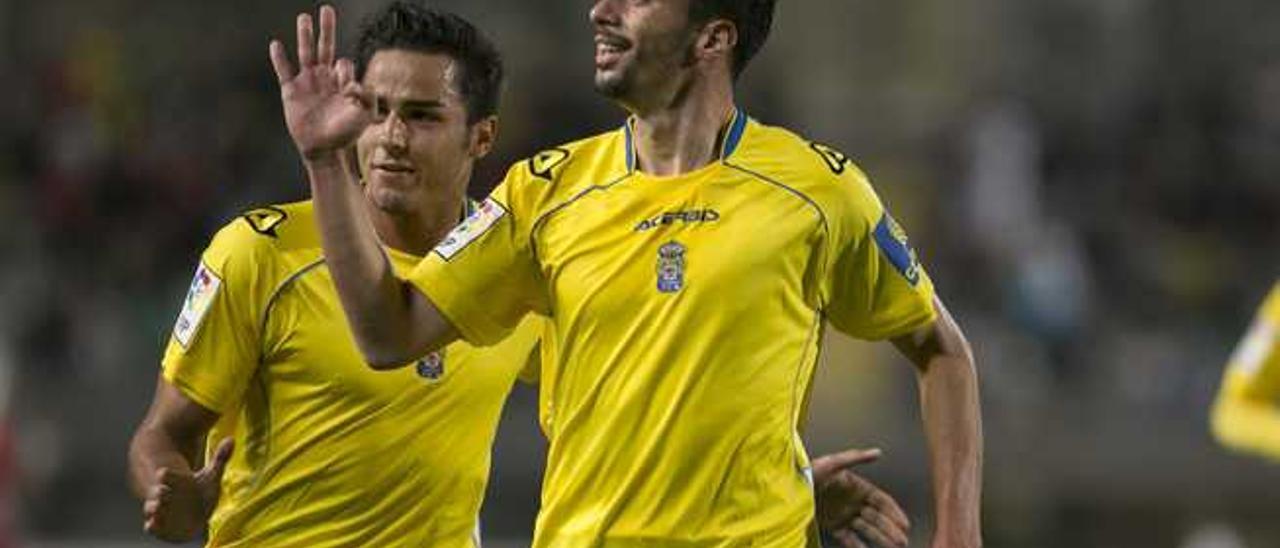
322	158
951	538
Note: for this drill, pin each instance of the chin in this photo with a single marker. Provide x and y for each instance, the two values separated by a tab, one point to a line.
391	201
613	86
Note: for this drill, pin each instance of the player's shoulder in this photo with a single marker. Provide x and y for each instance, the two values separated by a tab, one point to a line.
272	237
790	155
821	172
564	170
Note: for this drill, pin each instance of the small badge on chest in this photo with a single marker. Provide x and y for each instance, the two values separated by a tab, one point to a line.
671	263
431	367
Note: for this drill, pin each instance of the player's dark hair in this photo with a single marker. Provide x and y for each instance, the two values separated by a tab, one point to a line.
753	18
414	27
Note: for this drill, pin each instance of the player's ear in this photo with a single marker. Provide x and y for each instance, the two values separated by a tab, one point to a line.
482	136
718	38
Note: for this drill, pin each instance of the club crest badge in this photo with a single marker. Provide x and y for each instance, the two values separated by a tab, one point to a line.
431	367
671	263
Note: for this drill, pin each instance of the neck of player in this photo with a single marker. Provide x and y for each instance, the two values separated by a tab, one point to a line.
418	231
680	133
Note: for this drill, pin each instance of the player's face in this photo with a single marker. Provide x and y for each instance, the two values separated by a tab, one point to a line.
641	45
420	141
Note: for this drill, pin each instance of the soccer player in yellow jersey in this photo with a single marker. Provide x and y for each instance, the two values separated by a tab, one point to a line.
1246	415
331	454
327	451
687	263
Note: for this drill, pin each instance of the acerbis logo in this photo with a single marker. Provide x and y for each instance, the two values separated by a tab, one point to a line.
672	217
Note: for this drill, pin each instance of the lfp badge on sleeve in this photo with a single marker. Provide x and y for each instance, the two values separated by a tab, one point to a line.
671	267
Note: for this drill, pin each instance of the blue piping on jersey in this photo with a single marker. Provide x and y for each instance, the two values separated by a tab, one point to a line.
736	128
631	146
732	138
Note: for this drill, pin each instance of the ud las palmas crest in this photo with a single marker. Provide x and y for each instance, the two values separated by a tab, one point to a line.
671	267
431	367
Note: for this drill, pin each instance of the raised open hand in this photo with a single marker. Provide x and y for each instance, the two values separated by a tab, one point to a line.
324	106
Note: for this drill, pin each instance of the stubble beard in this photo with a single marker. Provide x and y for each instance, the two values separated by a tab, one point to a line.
614	85
622	83
391	201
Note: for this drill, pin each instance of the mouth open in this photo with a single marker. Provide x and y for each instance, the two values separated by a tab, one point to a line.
609	49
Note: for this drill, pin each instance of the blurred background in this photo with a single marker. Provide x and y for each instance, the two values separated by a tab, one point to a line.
1093	184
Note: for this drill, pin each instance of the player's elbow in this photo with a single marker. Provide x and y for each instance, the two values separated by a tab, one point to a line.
385	354
403	334
961	350
940	346
386	349
380	344
377	365
383	357
383	364
949	353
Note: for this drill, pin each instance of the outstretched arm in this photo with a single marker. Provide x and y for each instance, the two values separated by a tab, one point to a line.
326	111
948	385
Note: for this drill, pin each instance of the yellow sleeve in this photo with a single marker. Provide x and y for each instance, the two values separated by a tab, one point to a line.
214	348
484	277
1246	416
876	287
528	337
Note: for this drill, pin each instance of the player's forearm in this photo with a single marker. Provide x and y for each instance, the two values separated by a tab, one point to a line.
1247	425
375	301
949	405
152	449
953	425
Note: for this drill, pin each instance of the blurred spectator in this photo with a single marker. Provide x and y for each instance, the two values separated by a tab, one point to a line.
1036	258
8	460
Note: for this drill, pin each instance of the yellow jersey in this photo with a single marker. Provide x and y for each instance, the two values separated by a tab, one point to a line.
686	314
328	451
1246	415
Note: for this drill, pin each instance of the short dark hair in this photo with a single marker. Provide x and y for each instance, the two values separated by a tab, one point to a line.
414	27
753	18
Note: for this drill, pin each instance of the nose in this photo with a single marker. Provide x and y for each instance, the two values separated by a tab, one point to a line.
604	13
394	133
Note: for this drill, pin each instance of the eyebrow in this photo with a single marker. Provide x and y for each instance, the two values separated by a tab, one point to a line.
418	103
411	103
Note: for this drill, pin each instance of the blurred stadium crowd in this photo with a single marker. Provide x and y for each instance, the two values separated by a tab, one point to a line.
1094	185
